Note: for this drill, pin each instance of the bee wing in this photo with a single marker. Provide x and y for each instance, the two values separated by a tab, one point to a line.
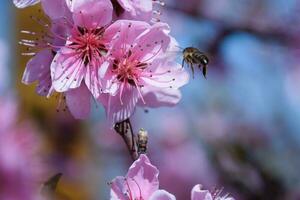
173	54
174	50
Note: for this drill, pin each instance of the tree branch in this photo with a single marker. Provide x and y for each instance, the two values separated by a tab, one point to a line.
124	129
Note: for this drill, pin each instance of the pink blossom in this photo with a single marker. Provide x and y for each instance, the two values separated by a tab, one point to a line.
80	58
20	166
82	46
38	68
139	72
141	182
199	194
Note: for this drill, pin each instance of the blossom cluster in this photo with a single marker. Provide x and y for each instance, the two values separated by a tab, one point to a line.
20	164
141	182
113	51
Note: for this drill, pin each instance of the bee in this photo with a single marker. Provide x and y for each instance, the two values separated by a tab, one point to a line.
142	141
193	56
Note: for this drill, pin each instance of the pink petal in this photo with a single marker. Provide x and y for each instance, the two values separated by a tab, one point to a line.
126	5
162	195
67	71
25	3
44	88
79	102
70	4
92	13
137	10
149	44
108	84
199	194
59	28
38	69
154	97
174	76
55	9
116	110
129	30
145	175
118	189
92	80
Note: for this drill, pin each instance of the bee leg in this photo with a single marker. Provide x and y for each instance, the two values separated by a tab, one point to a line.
204	71
183	63
193	71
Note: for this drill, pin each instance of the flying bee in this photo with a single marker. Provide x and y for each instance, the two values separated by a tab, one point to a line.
193	56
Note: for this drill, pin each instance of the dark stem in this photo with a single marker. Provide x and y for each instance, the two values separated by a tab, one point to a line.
124	129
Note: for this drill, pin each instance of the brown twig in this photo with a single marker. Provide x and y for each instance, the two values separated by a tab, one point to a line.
124	129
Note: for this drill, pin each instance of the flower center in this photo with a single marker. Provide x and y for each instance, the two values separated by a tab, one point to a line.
129	70
129	193
88	44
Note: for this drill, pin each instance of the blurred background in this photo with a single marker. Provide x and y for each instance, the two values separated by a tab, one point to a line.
238	130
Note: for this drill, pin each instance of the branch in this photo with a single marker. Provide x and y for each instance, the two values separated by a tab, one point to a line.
124	129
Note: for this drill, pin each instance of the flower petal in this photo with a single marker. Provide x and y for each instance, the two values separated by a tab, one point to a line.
152	42
92	13
93	80
119	188
117	110
38	69
154	97
145	175
44	88
55	9
162	195
137	10
79	102
25	3
199	194
174	76
128	31
67	71
126	5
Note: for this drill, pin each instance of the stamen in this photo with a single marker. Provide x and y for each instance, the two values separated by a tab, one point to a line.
61	102
28	32
141	198
130	193
139	90
28	54
39	21
154	55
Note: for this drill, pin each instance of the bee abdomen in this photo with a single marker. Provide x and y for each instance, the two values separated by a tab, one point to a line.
203	59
